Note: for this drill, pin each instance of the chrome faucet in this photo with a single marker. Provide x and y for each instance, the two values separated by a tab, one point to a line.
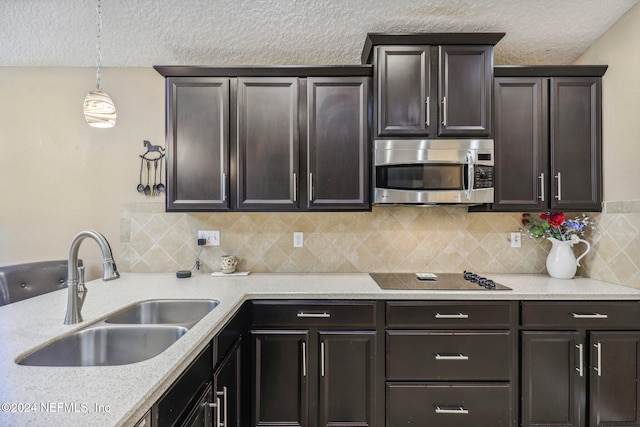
75	274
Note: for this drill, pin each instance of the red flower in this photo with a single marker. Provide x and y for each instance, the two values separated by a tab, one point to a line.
554	219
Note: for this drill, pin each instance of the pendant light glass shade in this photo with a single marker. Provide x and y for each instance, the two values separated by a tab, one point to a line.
99	109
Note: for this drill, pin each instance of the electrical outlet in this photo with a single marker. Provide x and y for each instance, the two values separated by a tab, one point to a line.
211	236
516	239
298	239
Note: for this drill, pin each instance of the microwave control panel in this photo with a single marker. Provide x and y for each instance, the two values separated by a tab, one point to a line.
483	177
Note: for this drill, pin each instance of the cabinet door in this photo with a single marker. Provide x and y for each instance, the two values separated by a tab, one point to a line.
614	379
347	378
576	143
465	77
404	92
268	140
521	143
226	383
197	144
200	415
280	369
553	379
189	394
337	143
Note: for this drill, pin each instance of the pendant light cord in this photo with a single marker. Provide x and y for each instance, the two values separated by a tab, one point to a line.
98	43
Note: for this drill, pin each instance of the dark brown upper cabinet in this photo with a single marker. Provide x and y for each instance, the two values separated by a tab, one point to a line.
548	142
337	143
197	143
432	85
268	138
268	142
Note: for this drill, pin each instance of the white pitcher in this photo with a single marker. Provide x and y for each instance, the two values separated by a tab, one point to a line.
561	262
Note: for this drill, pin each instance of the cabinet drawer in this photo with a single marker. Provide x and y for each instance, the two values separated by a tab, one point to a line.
449	355
319	314
449	405
578	314
443	314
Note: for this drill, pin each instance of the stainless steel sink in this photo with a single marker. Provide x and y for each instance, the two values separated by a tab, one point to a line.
106	346
186	312
137	332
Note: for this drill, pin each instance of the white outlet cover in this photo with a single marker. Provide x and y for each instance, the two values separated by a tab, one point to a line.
516	239
212	237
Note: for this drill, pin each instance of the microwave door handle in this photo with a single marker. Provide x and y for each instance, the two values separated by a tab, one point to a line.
470	174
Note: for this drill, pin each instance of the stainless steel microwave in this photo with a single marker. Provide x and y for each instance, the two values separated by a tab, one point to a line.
435	171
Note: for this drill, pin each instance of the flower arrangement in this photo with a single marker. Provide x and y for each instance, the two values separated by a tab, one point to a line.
556	225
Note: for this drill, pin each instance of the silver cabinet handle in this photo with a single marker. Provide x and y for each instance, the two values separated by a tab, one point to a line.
216	406
458	356
452	316
323	315
459	410
222	393
559	194
322	358
426	119
589	316
304	359
224	187
444	110
598	367
541	177
580	367
295	187
310	187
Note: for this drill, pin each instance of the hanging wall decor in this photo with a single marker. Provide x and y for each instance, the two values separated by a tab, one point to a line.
153	156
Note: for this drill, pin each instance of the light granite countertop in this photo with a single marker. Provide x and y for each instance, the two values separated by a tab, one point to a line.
120	395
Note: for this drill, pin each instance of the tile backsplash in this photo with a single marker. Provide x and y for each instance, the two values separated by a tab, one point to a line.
401	239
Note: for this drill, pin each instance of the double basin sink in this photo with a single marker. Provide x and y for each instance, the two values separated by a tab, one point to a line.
137	332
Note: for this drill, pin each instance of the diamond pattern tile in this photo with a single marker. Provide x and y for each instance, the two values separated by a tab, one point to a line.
387	239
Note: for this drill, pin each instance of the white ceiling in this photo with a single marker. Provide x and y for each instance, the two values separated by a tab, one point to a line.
141	33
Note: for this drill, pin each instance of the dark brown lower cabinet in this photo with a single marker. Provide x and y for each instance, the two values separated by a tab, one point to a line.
614	389
280	387
227	386
448	404
346	373
187	402
313	378
552	382
580	378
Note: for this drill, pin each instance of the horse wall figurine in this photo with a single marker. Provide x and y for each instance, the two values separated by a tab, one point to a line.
151	148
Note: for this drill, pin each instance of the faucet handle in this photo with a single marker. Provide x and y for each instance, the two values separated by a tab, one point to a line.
81	286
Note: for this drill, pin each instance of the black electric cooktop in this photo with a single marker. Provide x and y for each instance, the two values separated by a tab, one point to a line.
440	281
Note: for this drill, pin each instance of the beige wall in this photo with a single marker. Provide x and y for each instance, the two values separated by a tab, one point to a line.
619	48
60	176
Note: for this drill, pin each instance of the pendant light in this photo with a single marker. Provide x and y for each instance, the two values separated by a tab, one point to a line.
99	110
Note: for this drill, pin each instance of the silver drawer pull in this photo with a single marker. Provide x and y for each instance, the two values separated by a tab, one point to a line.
324	315
458	356
589	316
459	410
452	316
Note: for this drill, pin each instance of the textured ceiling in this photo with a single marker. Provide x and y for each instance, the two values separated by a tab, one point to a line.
247	32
